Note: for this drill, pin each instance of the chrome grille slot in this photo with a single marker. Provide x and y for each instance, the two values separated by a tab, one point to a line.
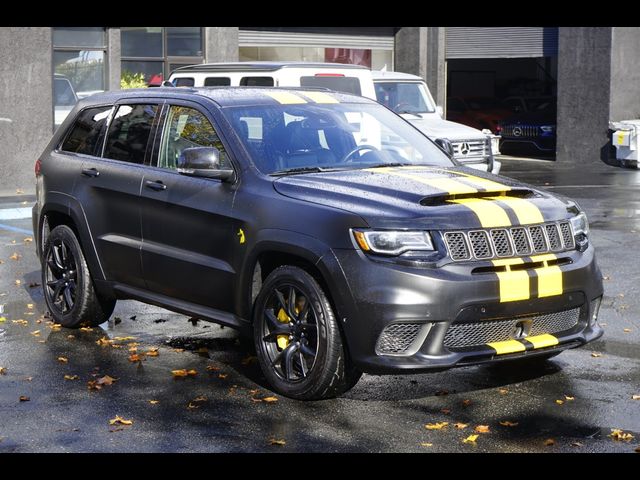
480	246
501	243
553	235
567	236
521	241
457	244
537	239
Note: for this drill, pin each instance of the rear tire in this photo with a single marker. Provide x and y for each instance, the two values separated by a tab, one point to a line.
297	338
68	287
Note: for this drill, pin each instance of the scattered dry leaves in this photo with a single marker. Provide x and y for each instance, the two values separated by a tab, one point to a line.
36	333
106	380
86	329
577	444
270	399
606	277
154	402
18	282
15	256
183	372
460	426
24	398
28	379
620	436
471	439
120	421
569	399
481	429
211	368
596	354
626	330
507	423
503	391
466	402
427	444
223	375
152	352
635	397
549	442
71	377
20	322
104	342
30	306
136	357
276	441
436	426
63	359
124	339
3	370
27	239
560	402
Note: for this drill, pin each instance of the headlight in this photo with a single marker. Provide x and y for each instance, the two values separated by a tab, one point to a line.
580	224
390	242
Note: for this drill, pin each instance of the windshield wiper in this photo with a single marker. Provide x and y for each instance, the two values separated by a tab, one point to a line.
293	171
394	164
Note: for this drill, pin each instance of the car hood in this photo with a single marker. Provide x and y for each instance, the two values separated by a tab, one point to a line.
427	197
433	126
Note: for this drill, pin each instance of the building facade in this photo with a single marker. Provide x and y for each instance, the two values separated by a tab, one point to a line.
593	71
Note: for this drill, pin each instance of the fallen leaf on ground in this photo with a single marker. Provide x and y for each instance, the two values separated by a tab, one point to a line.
569	399
86	329
577	444
36	333
179	350
120	421
201	398
620	436
471	439
15	256
635	397
202	350
20	322
3	371
606	277
28	379
427	444
481	429
223	375
621	295
24	398
134	357
124	339
270	399
445	411
549	441
18	282
152	352
637	450
27	239
63	359
30	306
507	423
559	402
19	191
3	319
460	426
104	341
106	380
503	391
154	402
274	441
626	330
55	327
183	372
440	393
596	354
71	377
192	406
466	402
436	426
211	368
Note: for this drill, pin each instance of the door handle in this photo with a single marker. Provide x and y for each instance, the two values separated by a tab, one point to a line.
157	185
90	172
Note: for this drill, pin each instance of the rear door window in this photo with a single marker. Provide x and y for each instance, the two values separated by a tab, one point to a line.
184	82
256	81
87	133
129	133
217	82
336	83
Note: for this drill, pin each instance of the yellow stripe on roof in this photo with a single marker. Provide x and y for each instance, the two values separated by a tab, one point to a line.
320	97
286	98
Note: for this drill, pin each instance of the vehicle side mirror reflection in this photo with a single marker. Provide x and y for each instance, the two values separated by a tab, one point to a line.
203	162
445	145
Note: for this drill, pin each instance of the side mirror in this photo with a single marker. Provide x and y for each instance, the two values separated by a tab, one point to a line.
445	145
203	162
440	110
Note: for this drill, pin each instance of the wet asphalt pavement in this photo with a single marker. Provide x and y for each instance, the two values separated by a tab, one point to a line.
221	407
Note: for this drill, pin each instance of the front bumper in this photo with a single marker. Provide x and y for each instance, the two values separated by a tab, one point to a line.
381	293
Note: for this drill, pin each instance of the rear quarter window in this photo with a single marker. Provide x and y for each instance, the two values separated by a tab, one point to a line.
256	82
338	84
184	82
217	82
87	132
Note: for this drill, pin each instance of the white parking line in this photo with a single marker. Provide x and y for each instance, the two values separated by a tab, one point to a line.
15	213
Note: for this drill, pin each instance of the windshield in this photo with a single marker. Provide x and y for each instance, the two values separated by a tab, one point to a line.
286	138
404	97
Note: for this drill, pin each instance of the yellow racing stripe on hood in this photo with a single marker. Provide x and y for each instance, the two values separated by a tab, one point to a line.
489	185
527	212
447	185
489	213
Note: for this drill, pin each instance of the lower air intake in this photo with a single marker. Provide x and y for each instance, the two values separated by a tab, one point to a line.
397	338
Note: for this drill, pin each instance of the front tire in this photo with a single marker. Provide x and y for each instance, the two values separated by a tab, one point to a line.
297	338
68	287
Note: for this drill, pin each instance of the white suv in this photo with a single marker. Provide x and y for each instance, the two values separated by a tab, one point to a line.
409	96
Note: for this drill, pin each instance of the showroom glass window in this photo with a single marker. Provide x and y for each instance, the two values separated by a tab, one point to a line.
149	54
79	55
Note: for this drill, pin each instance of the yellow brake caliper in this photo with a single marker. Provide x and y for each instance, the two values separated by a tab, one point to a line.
283	340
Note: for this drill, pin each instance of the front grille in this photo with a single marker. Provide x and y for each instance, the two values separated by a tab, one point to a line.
396	338
474	334
520	131
469	149
507	242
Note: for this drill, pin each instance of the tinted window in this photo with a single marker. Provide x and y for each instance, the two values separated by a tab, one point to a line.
339	84
217	82
184	82
256	82
63	93
87	131
187	128
129	133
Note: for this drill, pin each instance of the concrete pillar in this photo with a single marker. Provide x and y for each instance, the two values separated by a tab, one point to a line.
26	111
113	58
221	44
625	73
420	51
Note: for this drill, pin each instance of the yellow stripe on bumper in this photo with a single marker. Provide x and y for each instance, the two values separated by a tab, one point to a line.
286	98
514	285
508	346
489	213
542	341
549	278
